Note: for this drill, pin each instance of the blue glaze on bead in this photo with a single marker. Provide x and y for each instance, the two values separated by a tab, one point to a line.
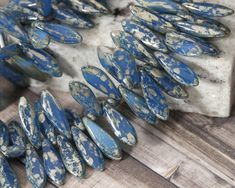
60	33
13	75
183	44
132	45
69	17
17	136
179	71
183	1
88	150
74	119
38	38
8	176
168	84
208	9
55	113
138	105
31	4
27	116
120	125
84	96
34	168
44	7
171	18
46	127
53	164
153	21
13	151
100	80
70	157
99	5
163	6
10	26
127	70
103	140
146	36
154	97
4	134
9	51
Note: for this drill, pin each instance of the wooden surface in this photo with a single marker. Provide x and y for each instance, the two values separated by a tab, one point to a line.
189	150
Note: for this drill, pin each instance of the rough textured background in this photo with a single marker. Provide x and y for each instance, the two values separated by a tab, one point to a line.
214	95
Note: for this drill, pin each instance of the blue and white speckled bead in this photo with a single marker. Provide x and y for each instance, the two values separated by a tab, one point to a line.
85	96
27	116
153	21
127	70
70	157
74	119
35	172
146	36
38	38
138	105
163	6
103	140
179	71
208	9
4	134
183	1
154	97
53	164
120	125
7	175
59	33
16	134
166	82
55	113
100	80
183	44
44	7
171	18
12	151
88	150
9	51
100	5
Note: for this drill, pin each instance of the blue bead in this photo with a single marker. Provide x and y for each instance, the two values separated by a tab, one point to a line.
146	36
138	105
84	96
74	119
31	4
17	136
166	82
100	80
183	1
4	134
183	44
53	164
208	9
8	176
154	97
38	38
9	51
34	168
12	151
120	126
55	113
179	71
103	140
171	18
151	20
44	7
27	116
60	33
99	5
163	6
70	157
127	70
88	150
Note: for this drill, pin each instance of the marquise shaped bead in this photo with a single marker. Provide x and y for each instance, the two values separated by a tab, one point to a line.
9	51
120	125
16	134
74	119
178	70
154	97
85	96
171	18
88	150
208	9
70	157
44	7
55	113
127	70
183	44
27	116
4	134
34	168
100	80
103	140
145	35
153	21
53	164
8	176
60	33
13	151
167	83
38	38
138	105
